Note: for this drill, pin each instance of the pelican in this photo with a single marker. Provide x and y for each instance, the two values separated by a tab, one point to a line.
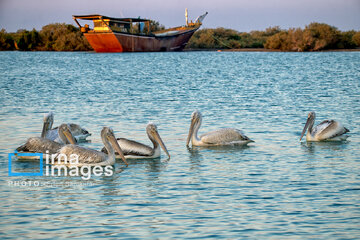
224	136
136	150
90	157
80	134
43	145
328	130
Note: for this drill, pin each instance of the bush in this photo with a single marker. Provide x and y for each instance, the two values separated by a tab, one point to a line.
6	41
356	39
156	26
52	37
321	36
27	41
346	40
222	38
63	37
315	37
277	41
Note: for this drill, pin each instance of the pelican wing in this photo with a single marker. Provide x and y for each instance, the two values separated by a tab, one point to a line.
329	129
224	135
53	135
39	145
85	155
80	134
130	147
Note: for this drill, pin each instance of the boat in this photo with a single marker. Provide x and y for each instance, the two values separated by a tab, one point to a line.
134	34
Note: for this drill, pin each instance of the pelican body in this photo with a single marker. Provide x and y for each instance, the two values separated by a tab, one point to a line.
90	157
80	134
223	136
328	130
43	145
136	150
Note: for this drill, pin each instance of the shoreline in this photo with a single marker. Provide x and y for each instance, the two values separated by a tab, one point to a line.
215	50
267	50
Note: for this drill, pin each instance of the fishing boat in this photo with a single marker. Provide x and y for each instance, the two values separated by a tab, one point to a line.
134	34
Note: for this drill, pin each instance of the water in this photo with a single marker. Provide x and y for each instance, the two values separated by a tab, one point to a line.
276	188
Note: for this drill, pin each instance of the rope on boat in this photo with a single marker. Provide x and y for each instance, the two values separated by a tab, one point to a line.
221	42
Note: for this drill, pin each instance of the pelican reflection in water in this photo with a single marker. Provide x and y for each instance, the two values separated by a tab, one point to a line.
136	150
79	133
224	136
328	130
90	157
43	145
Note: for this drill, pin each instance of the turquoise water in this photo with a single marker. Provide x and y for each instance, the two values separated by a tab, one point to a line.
276	188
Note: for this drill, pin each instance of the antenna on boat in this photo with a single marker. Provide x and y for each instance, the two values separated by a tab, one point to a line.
186	17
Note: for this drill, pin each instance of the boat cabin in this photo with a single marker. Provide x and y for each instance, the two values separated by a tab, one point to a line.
108	24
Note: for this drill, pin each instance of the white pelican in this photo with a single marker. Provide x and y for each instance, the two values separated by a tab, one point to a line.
326	130
136	150
80	134
90	157
42	145
224	136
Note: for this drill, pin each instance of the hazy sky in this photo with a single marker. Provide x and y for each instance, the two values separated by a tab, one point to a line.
242	15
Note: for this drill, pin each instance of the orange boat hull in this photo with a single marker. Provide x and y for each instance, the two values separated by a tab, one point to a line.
120	42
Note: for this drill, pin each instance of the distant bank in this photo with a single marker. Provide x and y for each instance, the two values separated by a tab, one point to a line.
314	37
265	50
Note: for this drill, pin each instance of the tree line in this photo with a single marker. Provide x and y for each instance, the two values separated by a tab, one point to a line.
314	37
52	37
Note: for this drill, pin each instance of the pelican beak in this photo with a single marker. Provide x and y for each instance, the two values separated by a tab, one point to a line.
191	130
117	148
162	145
69	137
306	126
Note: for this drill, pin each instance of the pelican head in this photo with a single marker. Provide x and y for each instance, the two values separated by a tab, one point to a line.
48	122
196	119
77	130
309	123
65	134
154	135
108	136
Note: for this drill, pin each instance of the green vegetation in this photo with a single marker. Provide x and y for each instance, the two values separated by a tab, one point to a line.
52	37
6	41
156	26
221	38
63	37
26	40
356	38
314	37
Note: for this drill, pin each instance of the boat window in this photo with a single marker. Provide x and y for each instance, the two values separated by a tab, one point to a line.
98	24
101	25
119	27
140	28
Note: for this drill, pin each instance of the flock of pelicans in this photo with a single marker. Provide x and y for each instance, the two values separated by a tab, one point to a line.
64	138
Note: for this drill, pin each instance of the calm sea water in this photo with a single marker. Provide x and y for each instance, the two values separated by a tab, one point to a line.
276	188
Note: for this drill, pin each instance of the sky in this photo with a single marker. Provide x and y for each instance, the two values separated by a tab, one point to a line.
241	15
